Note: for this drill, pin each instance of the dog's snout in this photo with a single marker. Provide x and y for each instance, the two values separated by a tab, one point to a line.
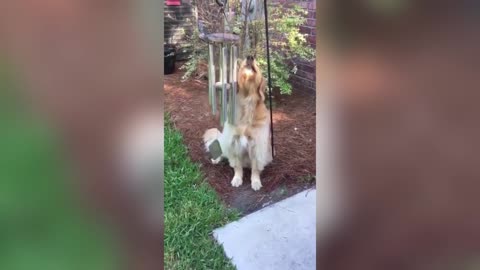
250	60
250	63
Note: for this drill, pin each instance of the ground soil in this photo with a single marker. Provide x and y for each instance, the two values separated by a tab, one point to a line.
293	168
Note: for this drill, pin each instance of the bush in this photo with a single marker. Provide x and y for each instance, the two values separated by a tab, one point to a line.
287	45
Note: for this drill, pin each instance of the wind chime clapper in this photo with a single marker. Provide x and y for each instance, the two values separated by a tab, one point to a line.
227	84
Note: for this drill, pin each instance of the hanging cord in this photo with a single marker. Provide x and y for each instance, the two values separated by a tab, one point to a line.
269	75
222	6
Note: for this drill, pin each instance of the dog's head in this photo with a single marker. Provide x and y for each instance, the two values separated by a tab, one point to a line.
250	79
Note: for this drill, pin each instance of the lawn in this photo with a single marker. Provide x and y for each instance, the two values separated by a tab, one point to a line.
192	211
41	225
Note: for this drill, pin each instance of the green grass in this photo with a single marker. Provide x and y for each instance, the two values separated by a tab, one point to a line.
192	211
41	225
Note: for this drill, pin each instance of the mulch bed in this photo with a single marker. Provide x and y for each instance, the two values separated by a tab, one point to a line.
293	168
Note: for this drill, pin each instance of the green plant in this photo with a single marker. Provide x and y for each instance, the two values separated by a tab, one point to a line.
287	44
199	55
207	12
309	178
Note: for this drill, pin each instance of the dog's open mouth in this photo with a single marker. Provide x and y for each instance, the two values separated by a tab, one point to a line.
250	63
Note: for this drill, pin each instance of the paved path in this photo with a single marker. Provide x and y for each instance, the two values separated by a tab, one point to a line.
280	236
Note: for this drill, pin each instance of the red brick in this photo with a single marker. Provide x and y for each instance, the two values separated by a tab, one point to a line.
305	29
306	68
306	63
304	86
311	22
296	85
301	74
295	79
303	4
304	74
312	5
310	76
304	81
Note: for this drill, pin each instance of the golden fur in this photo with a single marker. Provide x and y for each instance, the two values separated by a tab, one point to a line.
247	143
251	93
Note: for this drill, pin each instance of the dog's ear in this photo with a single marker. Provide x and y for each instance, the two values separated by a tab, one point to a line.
261	89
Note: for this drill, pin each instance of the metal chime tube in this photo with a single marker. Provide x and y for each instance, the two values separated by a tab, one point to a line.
233	84
210	63
211	79
224	85
235	60
230	73
220	64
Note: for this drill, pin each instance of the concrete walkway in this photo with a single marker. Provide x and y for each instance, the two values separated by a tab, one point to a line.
278	237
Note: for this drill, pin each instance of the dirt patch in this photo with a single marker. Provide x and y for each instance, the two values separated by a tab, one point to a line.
293	168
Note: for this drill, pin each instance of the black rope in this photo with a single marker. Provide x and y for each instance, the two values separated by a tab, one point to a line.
269	76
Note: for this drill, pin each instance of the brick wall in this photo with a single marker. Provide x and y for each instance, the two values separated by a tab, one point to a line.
178	22
305	76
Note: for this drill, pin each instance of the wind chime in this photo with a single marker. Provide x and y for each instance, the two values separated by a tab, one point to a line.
227	76
227	62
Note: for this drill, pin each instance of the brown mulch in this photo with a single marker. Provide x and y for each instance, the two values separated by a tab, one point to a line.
293	167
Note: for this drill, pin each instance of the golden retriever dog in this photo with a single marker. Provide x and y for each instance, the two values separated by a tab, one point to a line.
246	144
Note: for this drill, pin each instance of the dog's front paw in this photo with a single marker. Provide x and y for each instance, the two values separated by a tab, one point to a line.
256	184
237	181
